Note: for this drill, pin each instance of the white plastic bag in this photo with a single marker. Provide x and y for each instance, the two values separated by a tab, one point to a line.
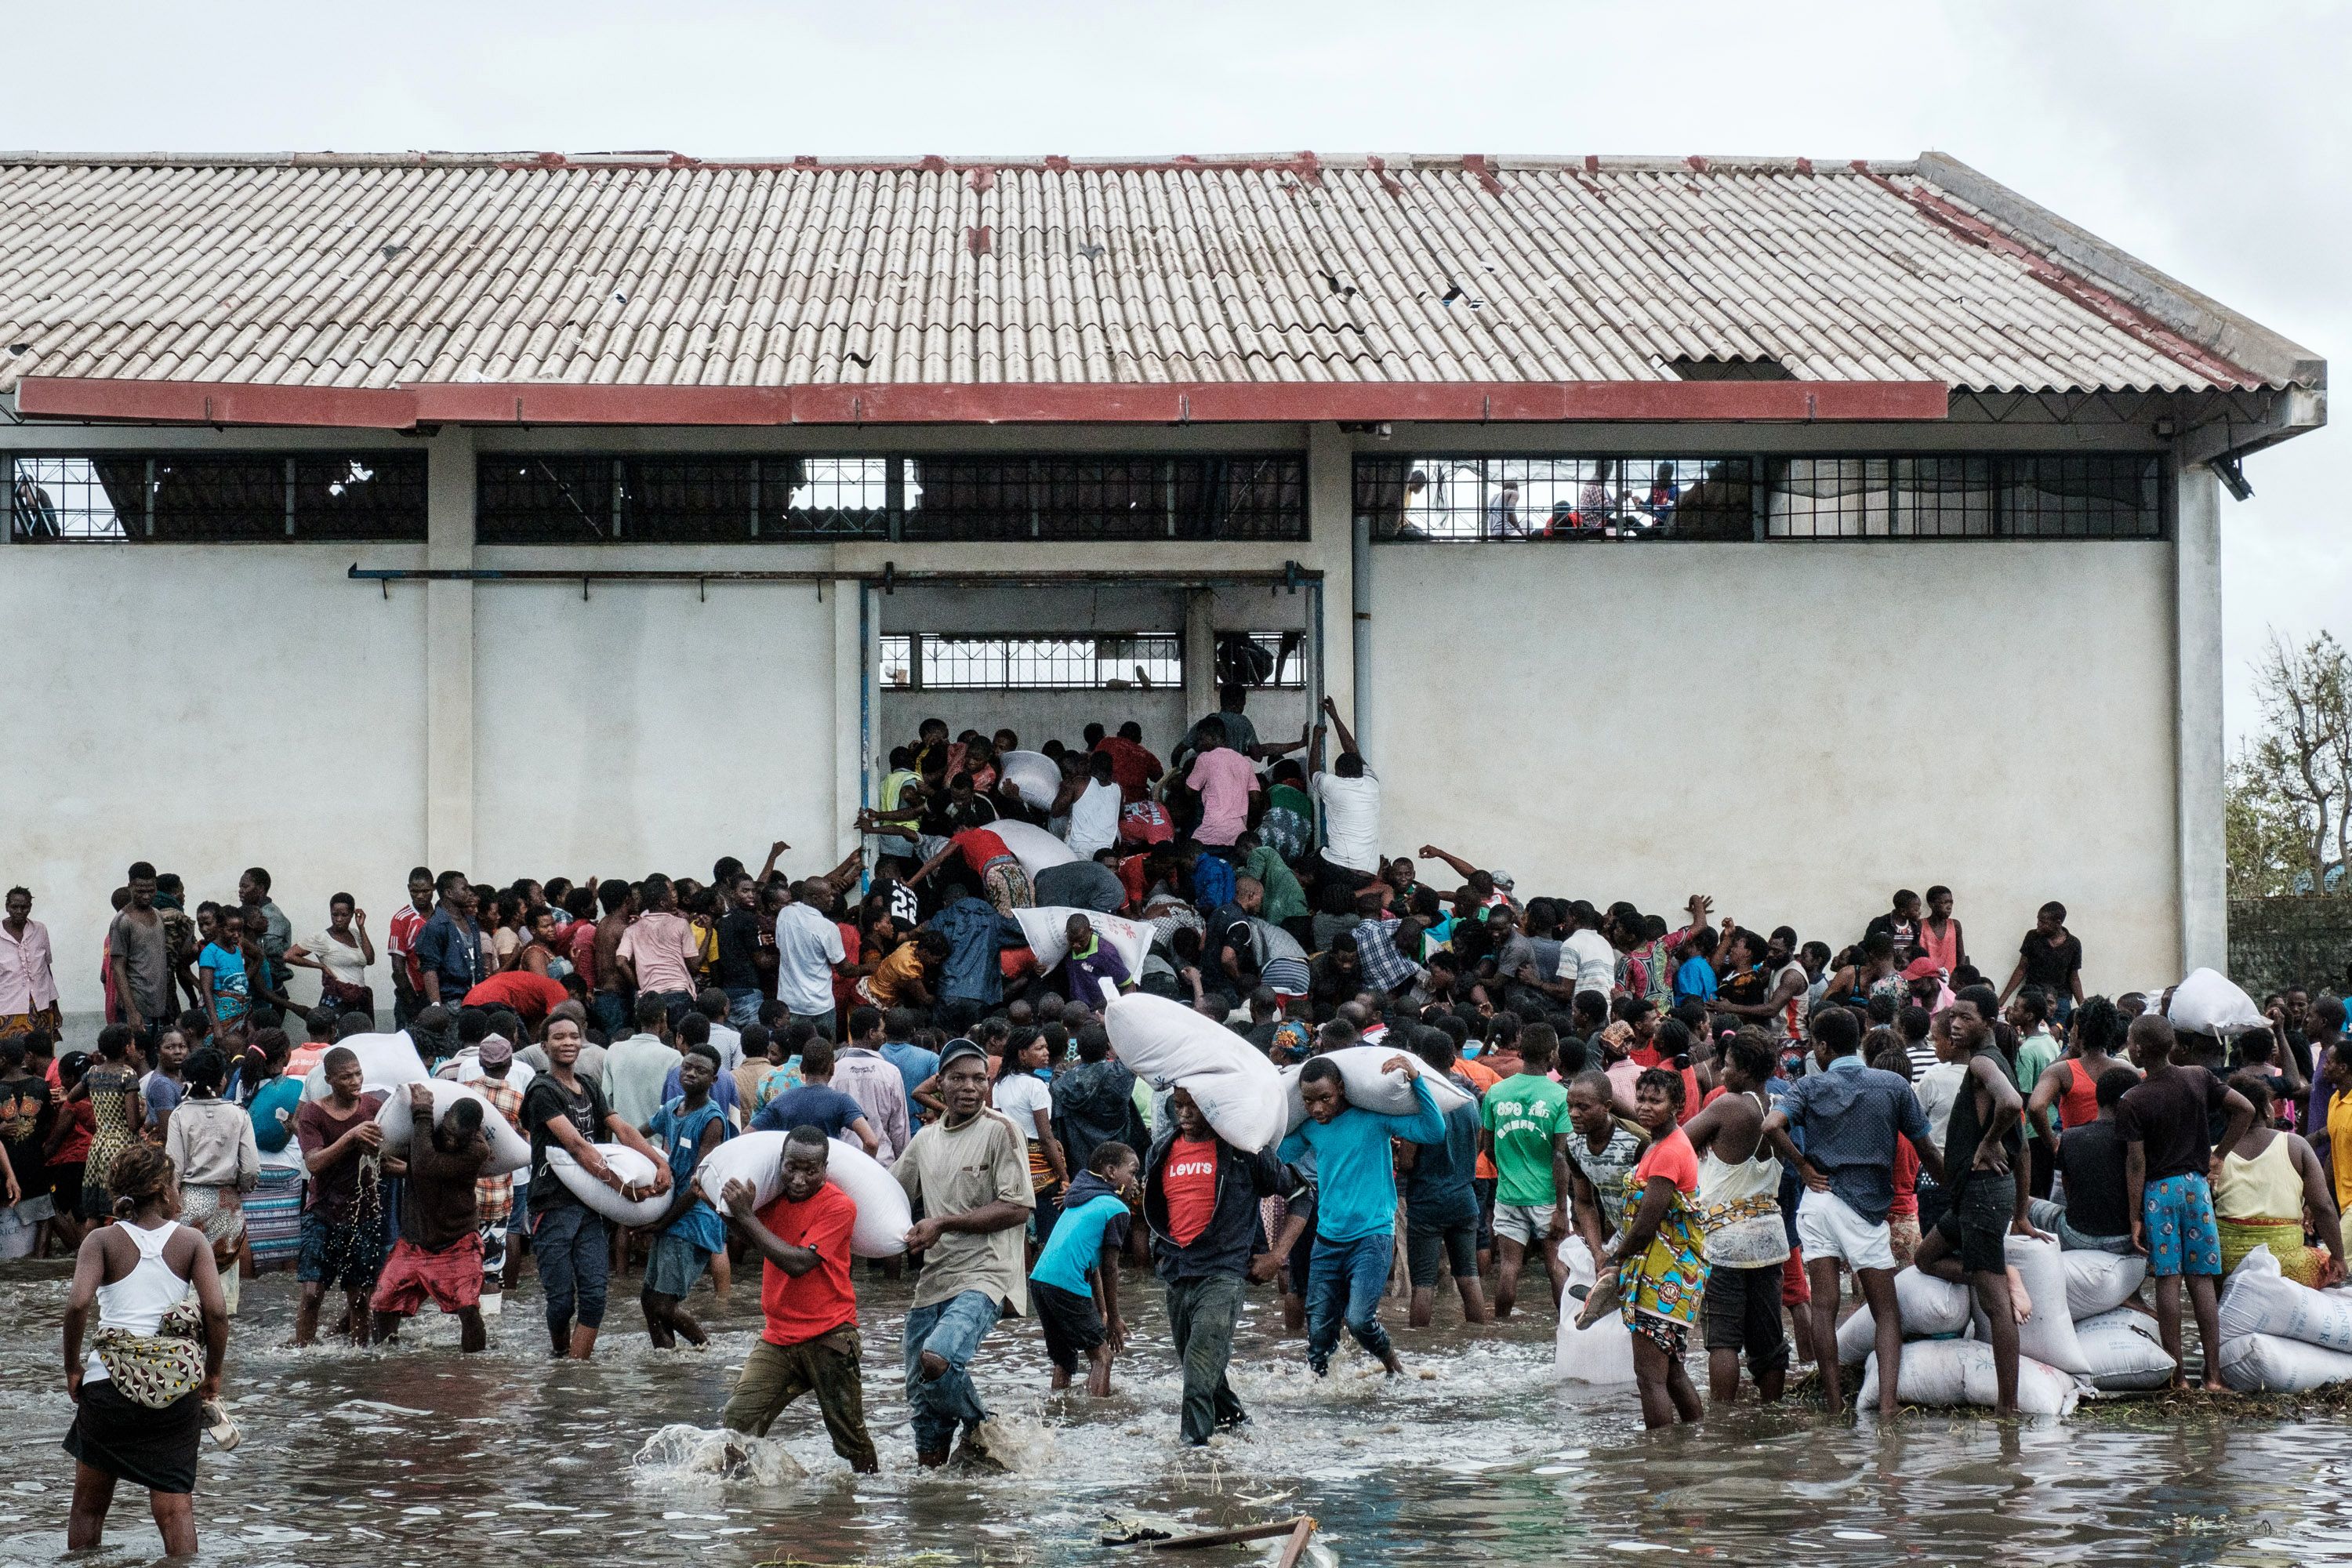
2099	1282
883	1215
1036	849
2124	1350
1370	1089
1960	1371
1036	775
1928	1307
2206	1002
386	1062
1171	1046
1048	929
2266	1363
2259	1300
635	1171
1603	1355
510	1150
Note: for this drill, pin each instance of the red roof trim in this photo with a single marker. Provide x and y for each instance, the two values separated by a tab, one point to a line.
996	403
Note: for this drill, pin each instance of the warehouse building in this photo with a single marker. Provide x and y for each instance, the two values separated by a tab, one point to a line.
1784	531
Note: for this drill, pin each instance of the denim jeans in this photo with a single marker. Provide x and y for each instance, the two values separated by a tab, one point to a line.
952	1331
1201	1313
575	1247
612	1011
742	1006
1349	1276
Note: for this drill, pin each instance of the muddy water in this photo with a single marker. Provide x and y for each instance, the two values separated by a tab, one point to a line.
414	1458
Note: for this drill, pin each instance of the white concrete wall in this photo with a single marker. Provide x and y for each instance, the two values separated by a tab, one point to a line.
1796	729
207	708
649	729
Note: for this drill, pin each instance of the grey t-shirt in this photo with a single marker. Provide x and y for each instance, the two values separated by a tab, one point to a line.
1080	885
147	954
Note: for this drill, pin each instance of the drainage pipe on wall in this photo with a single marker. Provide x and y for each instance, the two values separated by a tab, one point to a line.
1359	597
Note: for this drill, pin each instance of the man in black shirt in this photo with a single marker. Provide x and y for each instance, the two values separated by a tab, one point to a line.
2050	957
1983	1147
2091	1161
2167	1152
737	970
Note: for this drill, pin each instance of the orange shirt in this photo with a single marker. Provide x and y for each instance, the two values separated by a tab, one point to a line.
1486	1078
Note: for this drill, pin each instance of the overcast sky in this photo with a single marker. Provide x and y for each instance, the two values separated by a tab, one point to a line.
2209	140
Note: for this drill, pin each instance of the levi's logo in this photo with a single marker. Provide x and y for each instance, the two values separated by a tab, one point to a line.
1192	1167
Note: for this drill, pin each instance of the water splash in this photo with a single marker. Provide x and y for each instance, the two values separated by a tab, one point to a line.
684	1454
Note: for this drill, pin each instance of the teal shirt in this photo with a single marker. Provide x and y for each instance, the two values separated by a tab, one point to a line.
1079	1237
1355	1175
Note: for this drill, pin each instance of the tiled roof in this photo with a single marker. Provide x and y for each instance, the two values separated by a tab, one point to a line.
376	272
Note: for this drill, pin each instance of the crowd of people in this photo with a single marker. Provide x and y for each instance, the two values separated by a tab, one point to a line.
1728	1130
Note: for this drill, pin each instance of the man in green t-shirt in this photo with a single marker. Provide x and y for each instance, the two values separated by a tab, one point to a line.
1525	1122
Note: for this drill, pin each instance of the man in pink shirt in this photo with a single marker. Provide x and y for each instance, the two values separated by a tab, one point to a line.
658	955
1225	780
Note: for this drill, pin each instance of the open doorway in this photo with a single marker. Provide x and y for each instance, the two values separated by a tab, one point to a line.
1045	661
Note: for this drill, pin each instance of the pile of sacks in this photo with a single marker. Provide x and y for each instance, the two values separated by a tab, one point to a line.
2279	1336
2080	1335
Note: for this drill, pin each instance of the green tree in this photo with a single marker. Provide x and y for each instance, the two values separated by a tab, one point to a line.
2290	791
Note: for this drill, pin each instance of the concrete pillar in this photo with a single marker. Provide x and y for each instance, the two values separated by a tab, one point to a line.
449	655
1199	653
2196	637
1331	527
855	637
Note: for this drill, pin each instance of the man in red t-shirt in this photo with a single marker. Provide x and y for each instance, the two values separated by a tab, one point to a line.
1134	768
809	1342
1201	1198
407	978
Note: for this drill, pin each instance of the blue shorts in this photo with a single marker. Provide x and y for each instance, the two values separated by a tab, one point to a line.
2176	1214
673	1264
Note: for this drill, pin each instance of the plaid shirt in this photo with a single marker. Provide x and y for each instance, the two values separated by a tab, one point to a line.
1384	967
497	1193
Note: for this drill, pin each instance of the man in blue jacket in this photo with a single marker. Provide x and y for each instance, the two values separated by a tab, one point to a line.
1201	1199
1355	1204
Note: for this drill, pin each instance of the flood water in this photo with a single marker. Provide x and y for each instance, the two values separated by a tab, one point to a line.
414	1457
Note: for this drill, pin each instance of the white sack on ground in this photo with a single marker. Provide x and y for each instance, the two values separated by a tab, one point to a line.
1928	1307
510	1150
1370	1089
2048	1336
1960	1371
2265	1363
1170	1046
883	1215
2124	1351
2099	1282
2259	1300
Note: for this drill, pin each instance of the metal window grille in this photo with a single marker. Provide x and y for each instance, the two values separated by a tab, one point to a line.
1238	496
2100	495
1595	497
928	662
1264	660
565	500
2074	495
216	496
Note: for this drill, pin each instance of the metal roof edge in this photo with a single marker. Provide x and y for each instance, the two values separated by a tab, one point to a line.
658	158
2196	316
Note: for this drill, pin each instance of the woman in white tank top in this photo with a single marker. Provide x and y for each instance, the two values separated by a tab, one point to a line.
1745	1241
154	1360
